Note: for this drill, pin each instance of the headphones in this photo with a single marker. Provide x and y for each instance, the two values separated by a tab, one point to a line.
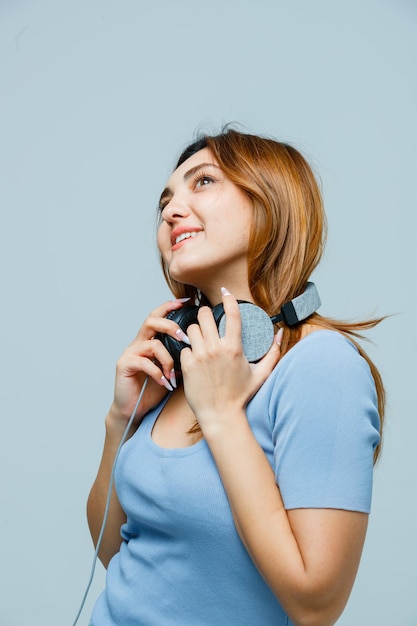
257	326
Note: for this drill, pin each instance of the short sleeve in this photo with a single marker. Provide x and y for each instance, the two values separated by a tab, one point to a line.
325	425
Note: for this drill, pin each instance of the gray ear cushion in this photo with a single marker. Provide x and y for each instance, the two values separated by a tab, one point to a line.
257	331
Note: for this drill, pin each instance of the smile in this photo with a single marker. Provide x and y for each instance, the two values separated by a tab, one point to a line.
185	236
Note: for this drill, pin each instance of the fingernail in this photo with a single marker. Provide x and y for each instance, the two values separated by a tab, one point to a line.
173	379
225	292
278	336
166	384
182	337
182	300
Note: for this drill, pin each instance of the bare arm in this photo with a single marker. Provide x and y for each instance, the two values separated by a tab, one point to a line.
308	557
98	496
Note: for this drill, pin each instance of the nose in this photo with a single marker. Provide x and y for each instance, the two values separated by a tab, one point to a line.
175	208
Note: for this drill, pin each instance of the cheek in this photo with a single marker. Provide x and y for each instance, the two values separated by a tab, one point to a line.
162	239
244	223
164	245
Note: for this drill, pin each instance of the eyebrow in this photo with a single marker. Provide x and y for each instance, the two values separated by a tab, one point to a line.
167	192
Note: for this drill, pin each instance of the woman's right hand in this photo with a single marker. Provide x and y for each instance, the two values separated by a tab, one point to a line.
145	356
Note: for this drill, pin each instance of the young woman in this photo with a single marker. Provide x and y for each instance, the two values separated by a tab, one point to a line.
244	490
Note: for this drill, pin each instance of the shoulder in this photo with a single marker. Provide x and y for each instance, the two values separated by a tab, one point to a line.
323	352
324	373
331	341
325	424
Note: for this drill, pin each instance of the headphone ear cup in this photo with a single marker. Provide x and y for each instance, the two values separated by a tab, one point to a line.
257	329
184	318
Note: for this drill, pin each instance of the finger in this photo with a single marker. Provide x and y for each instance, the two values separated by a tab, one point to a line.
195	337
132	365
265	366
208	328
278	337
157	322
151	349
185	355
233	317
170	305
154	325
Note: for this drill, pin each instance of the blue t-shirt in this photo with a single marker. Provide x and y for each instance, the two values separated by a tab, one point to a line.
182	562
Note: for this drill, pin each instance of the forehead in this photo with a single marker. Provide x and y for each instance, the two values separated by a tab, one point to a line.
201	157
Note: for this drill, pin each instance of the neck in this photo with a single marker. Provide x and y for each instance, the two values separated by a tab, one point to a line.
239	291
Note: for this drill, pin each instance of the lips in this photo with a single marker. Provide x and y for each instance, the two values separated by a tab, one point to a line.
179	235
185	236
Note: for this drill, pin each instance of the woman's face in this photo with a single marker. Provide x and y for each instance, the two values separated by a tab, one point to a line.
204	232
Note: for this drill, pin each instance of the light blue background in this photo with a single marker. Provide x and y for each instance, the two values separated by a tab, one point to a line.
97	98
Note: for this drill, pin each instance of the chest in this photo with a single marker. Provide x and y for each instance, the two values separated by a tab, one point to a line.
172	427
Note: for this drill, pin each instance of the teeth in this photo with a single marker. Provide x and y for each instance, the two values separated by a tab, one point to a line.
185	236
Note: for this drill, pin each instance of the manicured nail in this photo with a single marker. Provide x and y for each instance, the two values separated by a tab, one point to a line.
183	337
172	379
166	384
278	336
225	292
182	300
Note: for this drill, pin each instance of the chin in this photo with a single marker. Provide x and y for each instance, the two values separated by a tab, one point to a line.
188	273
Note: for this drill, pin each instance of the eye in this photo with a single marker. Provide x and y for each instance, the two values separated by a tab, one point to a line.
164	201
202	180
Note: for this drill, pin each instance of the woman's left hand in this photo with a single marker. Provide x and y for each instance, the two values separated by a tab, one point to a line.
218	379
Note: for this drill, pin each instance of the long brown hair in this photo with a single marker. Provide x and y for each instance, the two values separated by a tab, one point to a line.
288	232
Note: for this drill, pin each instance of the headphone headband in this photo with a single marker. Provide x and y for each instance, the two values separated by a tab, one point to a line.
299	308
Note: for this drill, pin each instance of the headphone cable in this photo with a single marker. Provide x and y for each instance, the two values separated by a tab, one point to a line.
107	507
